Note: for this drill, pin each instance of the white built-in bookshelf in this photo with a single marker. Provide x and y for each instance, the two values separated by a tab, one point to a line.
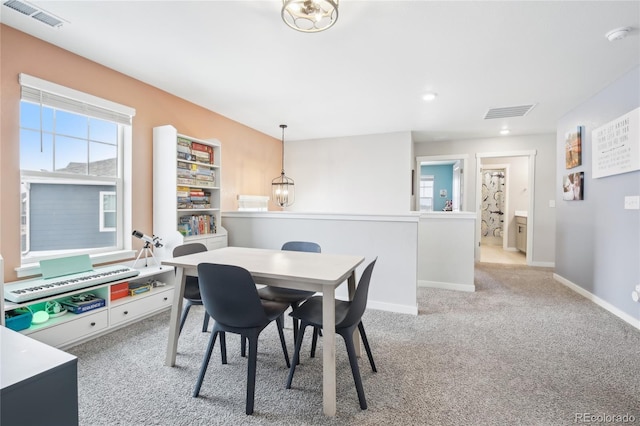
186	191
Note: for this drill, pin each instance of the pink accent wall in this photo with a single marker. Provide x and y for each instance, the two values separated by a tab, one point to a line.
250	159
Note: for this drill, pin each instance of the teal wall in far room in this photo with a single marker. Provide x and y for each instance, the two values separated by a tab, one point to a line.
443	179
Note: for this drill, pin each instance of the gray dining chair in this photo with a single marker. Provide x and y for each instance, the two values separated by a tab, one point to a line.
230	296
191	287
287	295
348	318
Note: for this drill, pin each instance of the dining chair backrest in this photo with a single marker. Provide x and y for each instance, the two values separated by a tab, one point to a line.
189	248
230	296
183	250
359	302
301	246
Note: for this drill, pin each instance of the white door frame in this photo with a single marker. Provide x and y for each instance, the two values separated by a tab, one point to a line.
531	154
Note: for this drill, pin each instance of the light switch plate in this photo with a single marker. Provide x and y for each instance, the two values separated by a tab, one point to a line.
632	202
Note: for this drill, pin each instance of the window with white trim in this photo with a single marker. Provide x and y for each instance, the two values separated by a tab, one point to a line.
426	193
73	148
108	212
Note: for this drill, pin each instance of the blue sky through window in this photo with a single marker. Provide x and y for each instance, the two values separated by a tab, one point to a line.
57	140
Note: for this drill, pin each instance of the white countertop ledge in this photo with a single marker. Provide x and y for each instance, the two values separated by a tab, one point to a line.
521	213
392	217
376	217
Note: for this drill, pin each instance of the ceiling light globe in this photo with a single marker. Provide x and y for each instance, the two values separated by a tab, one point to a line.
430	96
310	16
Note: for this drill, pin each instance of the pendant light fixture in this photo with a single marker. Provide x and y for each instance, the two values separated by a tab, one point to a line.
310	16
282	187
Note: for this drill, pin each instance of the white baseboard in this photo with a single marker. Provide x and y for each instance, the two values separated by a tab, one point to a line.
447	286
390	307
635	322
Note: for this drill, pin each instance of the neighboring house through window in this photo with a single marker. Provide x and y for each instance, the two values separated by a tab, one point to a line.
108	212
74	183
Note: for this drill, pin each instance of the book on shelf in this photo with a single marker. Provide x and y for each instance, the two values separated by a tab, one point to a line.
185	181
191	225
80	303
197	148
186	156
183	192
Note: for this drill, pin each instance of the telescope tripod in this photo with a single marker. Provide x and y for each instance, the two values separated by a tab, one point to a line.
147	250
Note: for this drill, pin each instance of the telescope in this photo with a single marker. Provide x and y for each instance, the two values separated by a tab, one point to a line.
153	240
148	242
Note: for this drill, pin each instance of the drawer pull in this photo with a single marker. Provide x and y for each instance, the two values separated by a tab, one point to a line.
93	324
165	299
126	312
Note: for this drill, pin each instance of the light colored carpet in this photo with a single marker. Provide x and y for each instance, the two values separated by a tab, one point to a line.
522	349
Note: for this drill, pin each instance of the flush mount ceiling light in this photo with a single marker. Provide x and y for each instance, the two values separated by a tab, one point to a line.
430	96
618	33
283	187
505	132
310	16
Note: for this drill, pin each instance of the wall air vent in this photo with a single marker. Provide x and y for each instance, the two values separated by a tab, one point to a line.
507	112
34	12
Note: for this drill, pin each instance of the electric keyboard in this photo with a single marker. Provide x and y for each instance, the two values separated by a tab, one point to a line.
24	291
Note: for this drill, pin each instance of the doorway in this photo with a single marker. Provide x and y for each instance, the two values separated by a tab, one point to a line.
493	205
504	192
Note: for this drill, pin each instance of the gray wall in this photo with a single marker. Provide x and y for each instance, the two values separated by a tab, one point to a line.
597	241
543	252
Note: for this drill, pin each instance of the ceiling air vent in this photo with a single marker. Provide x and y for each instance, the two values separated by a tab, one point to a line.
507	112
34	12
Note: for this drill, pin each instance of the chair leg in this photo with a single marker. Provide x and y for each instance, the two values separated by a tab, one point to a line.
353	360
251	372
296	325
205	322
223	347
296	353
205	363
243	347
280	324
314	341
366	346
183	317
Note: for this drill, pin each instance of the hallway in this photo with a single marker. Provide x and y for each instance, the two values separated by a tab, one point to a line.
495	254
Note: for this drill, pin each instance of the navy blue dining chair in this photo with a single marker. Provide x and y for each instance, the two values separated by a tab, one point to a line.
288	295
230	296
348	318
191	287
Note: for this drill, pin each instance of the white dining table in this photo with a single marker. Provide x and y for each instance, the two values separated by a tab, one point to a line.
319	272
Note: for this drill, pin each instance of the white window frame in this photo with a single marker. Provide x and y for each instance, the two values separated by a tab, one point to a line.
61	97
423	189
103	210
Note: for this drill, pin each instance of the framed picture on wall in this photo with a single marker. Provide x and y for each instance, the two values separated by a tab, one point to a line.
573	148
573	186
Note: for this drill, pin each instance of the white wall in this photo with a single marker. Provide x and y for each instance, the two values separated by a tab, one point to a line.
543	250
392	239
446	250
357	174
